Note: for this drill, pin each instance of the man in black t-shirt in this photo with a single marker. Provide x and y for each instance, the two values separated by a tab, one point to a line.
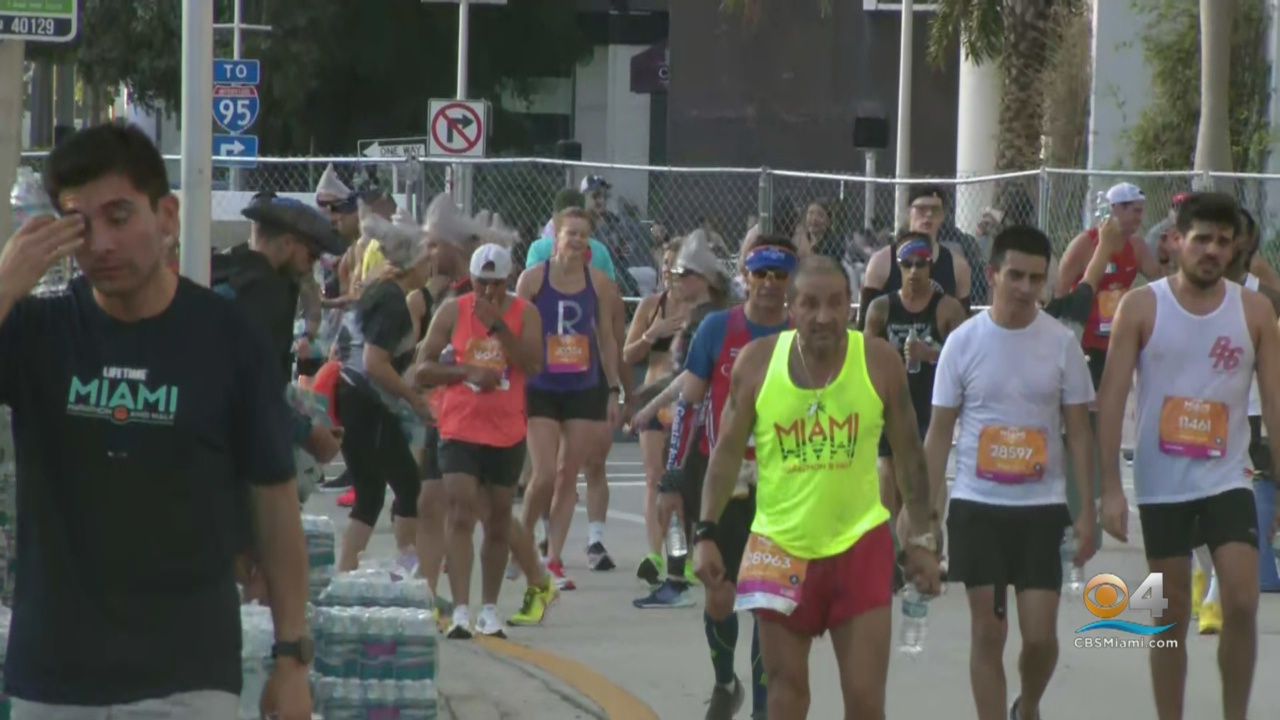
142	406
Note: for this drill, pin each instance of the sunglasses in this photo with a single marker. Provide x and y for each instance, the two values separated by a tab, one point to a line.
341	207
926	210
775	273
914	264
488	283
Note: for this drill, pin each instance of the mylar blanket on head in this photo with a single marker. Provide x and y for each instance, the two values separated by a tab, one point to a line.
330	186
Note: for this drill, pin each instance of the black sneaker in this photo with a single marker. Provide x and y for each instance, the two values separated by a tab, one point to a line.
598	558
1015	711
650	570
338	484
725	703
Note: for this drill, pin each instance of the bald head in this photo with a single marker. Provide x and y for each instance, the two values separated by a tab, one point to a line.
820	267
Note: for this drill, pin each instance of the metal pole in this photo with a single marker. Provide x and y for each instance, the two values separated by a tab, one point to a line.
237	23
869	193
461	172
197	139
902	167
12	54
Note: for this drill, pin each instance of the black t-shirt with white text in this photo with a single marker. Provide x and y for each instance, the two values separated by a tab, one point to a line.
133	441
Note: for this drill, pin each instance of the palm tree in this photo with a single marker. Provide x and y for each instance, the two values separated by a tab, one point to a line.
1020	35
1213	139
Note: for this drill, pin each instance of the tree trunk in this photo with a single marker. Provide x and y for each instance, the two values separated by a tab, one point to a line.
1027	26
1213	142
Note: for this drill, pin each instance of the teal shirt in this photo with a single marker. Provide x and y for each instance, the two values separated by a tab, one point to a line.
540	251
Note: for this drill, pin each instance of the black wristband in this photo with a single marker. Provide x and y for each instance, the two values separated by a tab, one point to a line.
670	481
704	530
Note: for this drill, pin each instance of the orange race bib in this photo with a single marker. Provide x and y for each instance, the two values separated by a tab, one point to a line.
568	353
1012	455
1193	428
770	578
1108	302
487	352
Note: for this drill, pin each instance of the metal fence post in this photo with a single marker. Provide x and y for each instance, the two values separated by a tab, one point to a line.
1042	199
764	202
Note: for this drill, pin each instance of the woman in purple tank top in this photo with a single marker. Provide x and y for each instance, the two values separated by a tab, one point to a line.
576	304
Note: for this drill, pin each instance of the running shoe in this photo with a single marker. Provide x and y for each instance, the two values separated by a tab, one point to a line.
1210	617
489	625
690	576
556	569
513	570
650	570
670	594
1015	710
536	602
598	558
347	499
337	484
725	702
459	625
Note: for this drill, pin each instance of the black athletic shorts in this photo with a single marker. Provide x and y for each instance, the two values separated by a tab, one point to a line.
497	466
734	527
589	404
1171	530
430	469
1000	545
1097	361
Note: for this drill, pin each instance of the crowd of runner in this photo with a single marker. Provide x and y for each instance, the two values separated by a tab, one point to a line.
795	453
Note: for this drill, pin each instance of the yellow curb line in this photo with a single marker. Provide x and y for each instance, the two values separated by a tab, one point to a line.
617	703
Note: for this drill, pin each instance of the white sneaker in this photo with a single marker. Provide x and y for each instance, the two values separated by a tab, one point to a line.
460	625
488	623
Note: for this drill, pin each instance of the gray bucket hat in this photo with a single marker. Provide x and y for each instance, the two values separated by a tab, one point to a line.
297	218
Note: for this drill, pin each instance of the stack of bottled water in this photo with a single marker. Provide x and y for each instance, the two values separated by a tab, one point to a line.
257	636
376	643
8	506
338	699
376	647
321	539
5	617
376	588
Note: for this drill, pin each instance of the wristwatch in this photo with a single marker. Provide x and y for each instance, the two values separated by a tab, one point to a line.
704	530
926	541
303	650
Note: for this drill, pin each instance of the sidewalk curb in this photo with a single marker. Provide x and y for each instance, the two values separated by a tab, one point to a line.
595	694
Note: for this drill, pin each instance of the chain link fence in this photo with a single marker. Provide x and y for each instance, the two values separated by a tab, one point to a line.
845	216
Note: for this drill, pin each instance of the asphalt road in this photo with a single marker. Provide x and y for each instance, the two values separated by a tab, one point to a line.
660	656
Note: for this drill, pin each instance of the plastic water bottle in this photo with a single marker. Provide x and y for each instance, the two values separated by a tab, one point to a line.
1103	210
913	366
915	620
1072	574
416	646
677	544
28	197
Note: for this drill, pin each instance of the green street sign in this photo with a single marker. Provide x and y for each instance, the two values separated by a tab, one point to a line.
38	20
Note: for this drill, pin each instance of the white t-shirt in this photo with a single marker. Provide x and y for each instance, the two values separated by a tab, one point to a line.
1010	387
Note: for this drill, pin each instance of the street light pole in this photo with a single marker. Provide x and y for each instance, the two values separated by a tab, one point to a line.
196	215
462	172
902	166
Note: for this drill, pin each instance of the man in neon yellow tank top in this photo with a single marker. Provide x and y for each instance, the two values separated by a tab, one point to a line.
820	555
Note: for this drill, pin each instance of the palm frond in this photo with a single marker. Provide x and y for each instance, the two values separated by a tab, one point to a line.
978	24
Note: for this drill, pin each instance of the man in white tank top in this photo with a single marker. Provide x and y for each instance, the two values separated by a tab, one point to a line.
1206	608
1195	340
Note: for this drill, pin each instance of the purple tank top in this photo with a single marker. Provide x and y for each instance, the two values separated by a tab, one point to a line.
572	358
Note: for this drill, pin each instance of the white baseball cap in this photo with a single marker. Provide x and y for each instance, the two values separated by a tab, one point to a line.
1125	193
491	262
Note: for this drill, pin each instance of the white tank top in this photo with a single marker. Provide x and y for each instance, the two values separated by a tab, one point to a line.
1193	391
1255	400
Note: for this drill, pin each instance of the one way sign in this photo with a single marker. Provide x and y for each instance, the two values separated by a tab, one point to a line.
397	149
459	128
